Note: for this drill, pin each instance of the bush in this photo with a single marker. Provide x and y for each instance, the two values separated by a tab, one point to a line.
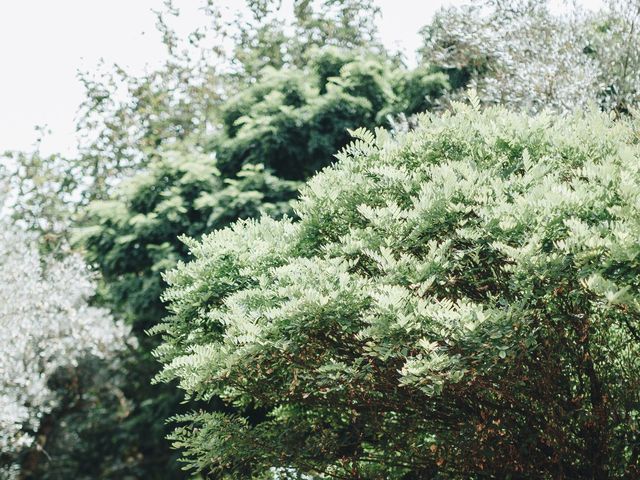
461	300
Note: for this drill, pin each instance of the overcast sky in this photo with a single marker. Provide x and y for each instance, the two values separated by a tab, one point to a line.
43	43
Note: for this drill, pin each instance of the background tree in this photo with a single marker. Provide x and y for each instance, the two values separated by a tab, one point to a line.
461	300
47	329
615	42
519	53
514	53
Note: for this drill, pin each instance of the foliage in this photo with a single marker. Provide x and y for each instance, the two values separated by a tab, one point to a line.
41	194
279	131
515	53
124	118
519	53
294	120
108	424
417	90
458	301
153	127
615	42
47	327
133	237
262	39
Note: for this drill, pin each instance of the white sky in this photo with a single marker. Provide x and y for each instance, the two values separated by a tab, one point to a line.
43	43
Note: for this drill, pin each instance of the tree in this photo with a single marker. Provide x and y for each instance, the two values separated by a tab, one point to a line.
516	53
519	53
458	301
47	328
124	118
615	42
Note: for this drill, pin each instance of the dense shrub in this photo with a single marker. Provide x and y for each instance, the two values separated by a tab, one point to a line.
459	301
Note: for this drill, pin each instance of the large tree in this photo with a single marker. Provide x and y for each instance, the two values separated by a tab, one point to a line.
458	301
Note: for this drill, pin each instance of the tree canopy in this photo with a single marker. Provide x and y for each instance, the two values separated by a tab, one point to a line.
456	301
